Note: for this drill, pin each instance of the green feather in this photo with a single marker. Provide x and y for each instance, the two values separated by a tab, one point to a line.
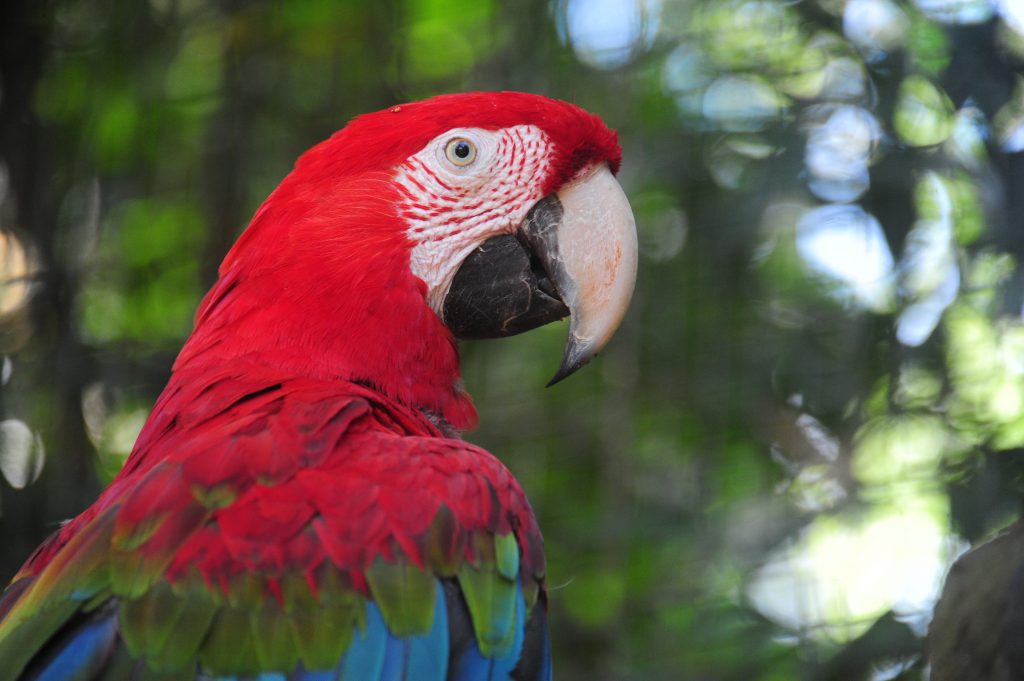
144	673
119	667
190	618
129	538
218	496
332	588
146	621
296	594
531	590
506	551
170	627
229	647
247	590
77	575
274	637
129	572
324	634
134	569
405	595
491	593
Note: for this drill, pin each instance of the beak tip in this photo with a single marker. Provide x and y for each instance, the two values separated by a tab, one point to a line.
562	373
577	354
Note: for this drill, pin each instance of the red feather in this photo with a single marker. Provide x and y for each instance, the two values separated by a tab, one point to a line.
365	487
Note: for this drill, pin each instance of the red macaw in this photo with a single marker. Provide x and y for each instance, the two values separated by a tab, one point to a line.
299	504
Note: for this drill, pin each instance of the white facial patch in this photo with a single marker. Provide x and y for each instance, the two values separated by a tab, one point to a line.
452	208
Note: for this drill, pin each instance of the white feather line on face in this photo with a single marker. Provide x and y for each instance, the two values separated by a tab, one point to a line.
452	210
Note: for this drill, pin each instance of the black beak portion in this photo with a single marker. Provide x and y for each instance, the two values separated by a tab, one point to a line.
502	288
574	254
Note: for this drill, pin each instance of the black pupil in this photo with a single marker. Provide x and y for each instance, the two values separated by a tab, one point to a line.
462	149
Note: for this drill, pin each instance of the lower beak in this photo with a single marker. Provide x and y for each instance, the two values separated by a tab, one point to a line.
575	253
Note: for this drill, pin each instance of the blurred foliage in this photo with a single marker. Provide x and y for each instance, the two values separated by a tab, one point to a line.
816	401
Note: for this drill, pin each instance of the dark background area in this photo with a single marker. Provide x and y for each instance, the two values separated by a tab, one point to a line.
815	404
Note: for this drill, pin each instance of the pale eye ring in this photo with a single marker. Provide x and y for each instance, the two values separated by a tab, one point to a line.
460	151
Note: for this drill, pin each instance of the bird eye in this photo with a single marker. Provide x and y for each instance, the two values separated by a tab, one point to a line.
460	151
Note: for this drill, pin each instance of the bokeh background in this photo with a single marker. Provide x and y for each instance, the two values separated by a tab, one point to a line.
815	404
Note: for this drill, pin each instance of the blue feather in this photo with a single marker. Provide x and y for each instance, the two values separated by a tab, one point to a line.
473	666
303	675
395	654
83	655
545	668
427	655
365	657
420	658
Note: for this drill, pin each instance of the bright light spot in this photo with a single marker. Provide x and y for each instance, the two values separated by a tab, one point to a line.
893	453
21	453
918	320
1011	348
685	75
917	387
967	142
823	441
887	670
805	76
94	412
843	572
847	244
1011	136
751	146
929	248
930	272
924	113
957	11
844	80
984	365
1007	401
816	488
17	269
741	104
839	151
112	429
606	34
876	27
973	350
1012	12
122	430
1009	122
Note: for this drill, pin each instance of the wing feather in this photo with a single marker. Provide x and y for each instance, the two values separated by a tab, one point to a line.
366	555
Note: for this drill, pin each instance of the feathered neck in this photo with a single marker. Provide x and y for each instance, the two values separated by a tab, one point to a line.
319	285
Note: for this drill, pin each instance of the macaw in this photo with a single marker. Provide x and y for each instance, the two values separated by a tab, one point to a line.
300	503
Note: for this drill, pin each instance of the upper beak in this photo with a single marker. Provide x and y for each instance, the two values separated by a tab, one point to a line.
575	253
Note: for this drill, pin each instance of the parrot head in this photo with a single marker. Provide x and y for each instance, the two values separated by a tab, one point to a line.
462	216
